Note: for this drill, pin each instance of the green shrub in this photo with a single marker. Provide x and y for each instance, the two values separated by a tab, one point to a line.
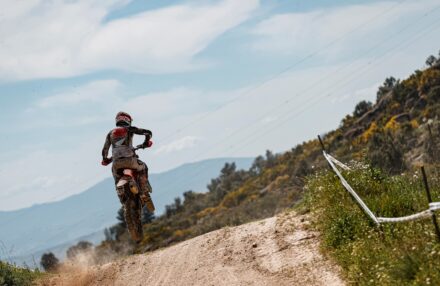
12	275
401	254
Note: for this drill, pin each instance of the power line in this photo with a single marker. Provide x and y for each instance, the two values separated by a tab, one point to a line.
290	67
315	84
327	76
317	99
289	115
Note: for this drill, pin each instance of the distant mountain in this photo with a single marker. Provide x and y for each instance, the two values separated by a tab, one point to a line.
30	231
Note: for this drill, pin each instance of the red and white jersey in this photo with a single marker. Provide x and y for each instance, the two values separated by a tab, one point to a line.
121	141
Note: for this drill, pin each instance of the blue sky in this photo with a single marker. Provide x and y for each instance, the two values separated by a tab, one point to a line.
209	78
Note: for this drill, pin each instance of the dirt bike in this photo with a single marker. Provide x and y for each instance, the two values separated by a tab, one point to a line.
128	189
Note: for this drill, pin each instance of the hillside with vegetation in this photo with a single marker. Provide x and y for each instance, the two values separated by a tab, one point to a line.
385	142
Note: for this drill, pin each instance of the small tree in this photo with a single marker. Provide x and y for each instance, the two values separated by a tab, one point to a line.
386	153
49	262
114	232
431	60
107	234
178	204
386	87
121	218
362	108
193	202
147	216
80	247
302	169
270	159
188	197
258	165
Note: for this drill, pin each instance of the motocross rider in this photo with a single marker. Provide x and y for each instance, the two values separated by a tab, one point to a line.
123	155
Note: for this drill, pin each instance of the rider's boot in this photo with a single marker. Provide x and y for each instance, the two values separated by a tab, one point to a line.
145	190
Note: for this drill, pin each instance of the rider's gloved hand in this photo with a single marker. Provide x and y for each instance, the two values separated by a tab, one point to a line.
147	144
106	161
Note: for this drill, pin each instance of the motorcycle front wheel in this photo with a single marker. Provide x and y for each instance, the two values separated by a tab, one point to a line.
132	212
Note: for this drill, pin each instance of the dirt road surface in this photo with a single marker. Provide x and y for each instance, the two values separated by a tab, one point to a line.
281	250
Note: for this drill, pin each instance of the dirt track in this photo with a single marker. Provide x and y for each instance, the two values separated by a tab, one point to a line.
275	251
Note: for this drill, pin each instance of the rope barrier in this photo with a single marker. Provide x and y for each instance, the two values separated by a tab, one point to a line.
417	216
350	189
342	165
434	206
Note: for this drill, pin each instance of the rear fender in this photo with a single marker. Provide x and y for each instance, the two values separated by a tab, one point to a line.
128	183
127	176
129	172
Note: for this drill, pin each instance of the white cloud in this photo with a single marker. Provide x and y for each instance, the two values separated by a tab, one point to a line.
95	91
165	39
179	145
42	39
294	33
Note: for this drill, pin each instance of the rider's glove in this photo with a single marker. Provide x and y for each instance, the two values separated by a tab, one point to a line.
106	161
147	144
